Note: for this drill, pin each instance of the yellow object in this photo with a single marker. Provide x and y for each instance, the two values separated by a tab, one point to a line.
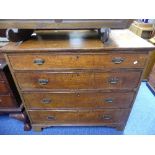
143	30
152	40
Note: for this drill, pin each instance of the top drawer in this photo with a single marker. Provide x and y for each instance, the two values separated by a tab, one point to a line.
76	61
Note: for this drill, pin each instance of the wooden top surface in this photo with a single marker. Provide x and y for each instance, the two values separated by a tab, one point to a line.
64	23
80	40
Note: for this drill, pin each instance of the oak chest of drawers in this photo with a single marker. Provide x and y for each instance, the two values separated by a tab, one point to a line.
72	78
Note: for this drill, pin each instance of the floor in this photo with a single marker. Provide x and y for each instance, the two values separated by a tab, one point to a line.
140	122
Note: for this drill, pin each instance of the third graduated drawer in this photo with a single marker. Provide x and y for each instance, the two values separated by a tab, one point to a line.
64	100
77	61
78	80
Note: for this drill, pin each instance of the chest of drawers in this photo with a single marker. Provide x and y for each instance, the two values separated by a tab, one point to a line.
72	78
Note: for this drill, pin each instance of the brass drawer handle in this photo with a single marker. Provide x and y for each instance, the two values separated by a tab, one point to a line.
50	118
113	80
39	61
43	81
117	60
108	100
46	101
107	117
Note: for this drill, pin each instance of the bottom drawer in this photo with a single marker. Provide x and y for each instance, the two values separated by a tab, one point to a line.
78	117
6	101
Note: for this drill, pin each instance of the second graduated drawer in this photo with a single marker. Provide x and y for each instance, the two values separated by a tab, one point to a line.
80	80
76	61
62	100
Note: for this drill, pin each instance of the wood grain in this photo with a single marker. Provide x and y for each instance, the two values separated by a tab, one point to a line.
64	23
10	102
78	80
7	101
3	87
78	100
80	41
75	76
76	61
1	77
78	117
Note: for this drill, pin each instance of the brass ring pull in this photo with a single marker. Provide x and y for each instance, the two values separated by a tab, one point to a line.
50	118
107	117
113	80
46	101
39	61
117	60
43	81
108	100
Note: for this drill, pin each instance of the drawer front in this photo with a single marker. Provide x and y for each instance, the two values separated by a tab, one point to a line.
3	87
6	101
78	117
76	61
83	80
78	100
